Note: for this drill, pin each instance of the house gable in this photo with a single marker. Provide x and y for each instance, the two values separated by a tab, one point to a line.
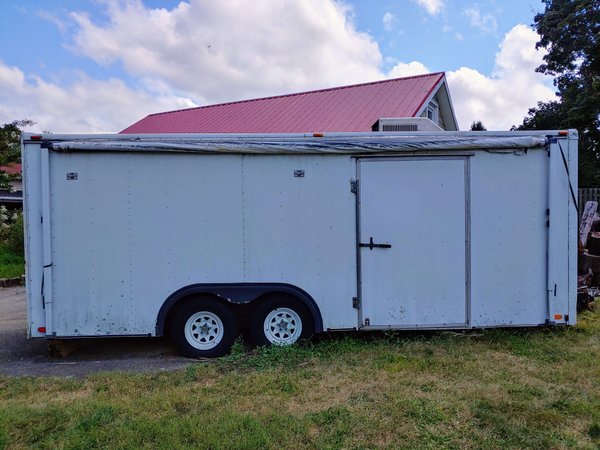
440	102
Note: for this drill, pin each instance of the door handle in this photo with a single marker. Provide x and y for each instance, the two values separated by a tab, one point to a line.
373	245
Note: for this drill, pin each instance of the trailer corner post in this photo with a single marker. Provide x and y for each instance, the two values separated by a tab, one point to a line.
573	162
562	230
47	291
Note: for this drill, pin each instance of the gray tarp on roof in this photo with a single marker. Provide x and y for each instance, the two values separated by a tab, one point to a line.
299	145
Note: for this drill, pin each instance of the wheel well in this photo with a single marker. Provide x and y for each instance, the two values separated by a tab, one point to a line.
239	296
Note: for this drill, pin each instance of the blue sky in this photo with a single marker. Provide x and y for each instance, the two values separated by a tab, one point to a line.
97	66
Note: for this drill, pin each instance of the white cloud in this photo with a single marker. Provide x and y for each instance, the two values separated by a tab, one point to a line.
85	106
214	50
432	7
388	21
206	52
459	36
485	22
53	19
407	69
502	99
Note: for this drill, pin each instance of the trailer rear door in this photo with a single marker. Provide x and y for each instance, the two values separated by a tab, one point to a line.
413	229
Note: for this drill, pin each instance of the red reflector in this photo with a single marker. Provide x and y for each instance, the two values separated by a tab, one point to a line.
42	329
36	138
563	133
318	135
557	316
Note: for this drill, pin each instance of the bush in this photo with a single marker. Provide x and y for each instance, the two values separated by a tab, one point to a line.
16	238
11	229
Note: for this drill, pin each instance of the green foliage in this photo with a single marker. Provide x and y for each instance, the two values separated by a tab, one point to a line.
570	31
10	148
11	229
595	431
11	243
478	126
12	264
15	237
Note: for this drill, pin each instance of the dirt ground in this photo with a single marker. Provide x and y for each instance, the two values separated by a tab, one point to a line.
22	357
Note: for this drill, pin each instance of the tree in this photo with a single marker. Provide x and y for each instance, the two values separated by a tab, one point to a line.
10	148
478	126
570	31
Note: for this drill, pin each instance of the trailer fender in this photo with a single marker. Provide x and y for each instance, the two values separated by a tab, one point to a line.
238	293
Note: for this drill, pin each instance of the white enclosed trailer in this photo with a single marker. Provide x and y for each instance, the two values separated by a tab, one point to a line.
193	235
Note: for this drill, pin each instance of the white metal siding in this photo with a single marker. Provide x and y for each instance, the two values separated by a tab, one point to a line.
134	228
301	230
508	237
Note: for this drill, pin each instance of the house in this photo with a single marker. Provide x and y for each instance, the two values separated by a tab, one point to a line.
358	107
12	198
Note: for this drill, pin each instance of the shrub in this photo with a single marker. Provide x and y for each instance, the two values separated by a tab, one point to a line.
11	229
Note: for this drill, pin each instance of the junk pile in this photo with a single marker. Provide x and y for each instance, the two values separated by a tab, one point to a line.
588	279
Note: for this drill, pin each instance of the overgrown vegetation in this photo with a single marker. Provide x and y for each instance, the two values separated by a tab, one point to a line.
12	262
536	388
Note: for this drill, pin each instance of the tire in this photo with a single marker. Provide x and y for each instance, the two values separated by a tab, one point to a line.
280	320
205	328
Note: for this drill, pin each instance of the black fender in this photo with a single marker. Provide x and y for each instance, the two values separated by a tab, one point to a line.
238	293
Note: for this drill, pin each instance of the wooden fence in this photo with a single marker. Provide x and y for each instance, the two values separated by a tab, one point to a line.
585	195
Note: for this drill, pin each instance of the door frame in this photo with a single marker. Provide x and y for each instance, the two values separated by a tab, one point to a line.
466	157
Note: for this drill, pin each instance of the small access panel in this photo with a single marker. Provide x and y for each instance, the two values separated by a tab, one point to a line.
413	242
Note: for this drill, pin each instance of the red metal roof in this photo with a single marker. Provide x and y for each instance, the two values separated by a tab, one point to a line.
12	169
346	108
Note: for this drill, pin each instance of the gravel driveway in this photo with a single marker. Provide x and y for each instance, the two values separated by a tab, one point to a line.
19	356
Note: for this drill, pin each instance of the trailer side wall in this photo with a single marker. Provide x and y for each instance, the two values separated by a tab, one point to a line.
133	228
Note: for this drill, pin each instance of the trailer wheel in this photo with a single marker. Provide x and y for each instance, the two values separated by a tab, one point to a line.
280	321
206	328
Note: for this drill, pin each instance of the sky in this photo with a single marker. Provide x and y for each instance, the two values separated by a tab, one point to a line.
95	66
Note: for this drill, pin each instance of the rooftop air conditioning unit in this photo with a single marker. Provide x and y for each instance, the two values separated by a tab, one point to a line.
405	124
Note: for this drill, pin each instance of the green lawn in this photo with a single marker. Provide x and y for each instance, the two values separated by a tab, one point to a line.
484	389
11	264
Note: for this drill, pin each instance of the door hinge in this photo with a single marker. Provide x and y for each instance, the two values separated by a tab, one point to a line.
355	303
354	186
548	217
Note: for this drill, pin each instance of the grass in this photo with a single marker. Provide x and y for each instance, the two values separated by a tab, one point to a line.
536	388
11	264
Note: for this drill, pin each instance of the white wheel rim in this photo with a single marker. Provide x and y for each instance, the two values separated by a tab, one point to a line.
283	326
204	330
